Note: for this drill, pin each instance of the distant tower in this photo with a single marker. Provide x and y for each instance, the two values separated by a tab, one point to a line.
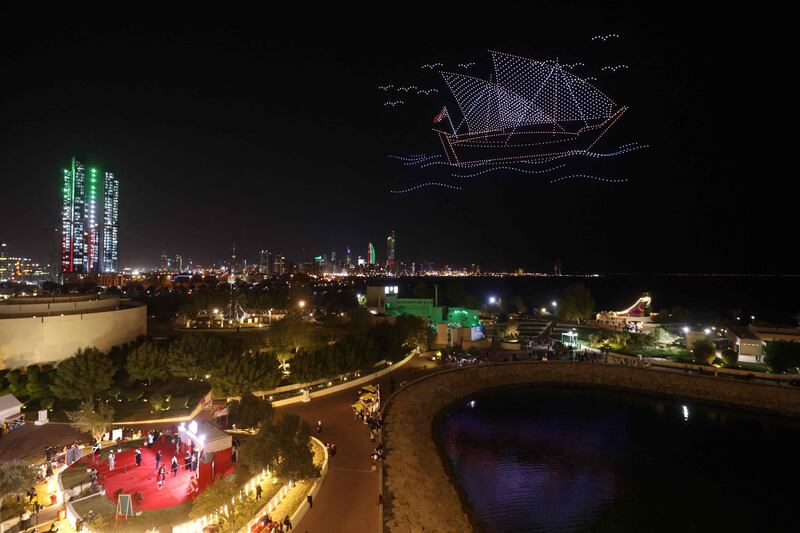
233	260
371	257
164	260
265	263
391	242
349	259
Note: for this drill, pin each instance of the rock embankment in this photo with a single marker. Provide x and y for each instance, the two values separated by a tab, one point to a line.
419	494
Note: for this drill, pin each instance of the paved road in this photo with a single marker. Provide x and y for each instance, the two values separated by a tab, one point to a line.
348	499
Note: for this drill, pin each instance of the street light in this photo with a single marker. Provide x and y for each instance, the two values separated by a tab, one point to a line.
492	300
686	329
302	304
554	303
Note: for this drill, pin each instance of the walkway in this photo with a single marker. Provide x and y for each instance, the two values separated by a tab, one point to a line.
348	499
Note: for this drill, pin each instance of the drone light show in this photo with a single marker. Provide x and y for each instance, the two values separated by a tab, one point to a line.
525	114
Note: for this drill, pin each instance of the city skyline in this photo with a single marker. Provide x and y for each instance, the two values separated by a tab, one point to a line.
209	160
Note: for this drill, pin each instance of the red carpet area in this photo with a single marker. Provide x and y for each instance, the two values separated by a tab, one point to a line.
130	478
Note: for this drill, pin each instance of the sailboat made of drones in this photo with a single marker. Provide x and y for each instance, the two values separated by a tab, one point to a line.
532	111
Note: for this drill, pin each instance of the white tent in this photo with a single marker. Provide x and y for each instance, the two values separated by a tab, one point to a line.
10	408
207	436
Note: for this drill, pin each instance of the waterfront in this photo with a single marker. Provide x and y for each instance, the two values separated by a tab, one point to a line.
563	459
773	298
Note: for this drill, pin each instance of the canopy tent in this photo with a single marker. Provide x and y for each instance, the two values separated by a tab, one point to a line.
214	447
9	407
11	415
206	435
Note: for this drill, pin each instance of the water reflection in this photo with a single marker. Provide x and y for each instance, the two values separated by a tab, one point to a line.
580	460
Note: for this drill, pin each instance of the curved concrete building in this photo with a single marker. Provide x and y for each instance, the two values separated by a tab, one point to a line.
49	329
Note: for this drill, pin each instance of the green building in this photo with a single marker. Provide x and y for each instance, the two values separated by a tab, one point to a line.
456	317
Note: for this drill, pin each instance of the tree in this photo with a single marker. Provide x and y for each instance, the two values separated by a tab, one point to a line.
577	303
782	356
95	420
511	330
193	355
730	357
290	334
662	336
283	446
250	411
413	332
221	498
703	351
420	290
516	305
83	375
15	477
147	362
236	374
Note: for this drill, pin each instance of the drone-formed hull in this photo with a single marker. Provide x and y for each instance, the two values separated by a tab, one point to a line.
524	144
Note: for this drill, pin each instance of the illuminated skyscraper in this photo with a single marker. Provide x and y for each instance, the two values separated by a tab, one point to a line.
391	241
110	224
73	192
371	256
84	248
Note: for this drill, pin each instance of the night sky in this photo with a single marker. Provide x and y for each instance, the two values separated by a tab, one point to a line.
271	132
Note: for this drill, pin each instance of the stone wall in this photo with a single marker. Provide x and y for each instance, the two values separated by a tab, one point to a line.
419	495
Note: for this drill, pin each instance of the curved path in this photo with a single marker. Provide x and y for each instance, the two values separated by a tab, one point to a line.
419	493
348	499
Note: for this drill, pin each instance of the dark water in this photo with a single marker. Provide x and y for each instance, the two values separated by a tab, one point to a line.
548	459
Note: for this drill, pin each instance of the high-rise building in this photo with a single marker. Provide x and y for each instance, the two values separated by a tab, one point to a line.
164	260
391	242
5	269
110	256
371	256
84	247
349	259
265	263
280	265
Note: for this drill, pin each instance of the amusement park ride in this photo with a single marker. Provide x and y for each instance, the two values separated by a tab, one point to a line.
634	316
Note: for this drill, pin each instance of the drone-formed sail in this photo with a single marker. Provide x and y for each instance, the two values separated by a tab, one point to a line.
547	86
487	106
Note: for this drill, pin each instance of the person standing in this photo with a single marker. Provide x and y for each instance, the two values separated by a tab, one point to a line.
111	461
174	466
158	459
138	457
258	491
310	501
287	522
187	460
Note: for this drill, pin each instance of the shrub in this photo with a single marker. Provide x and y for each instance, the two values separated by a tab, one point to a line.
703	351
782	356
730	357
135	393
47	403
